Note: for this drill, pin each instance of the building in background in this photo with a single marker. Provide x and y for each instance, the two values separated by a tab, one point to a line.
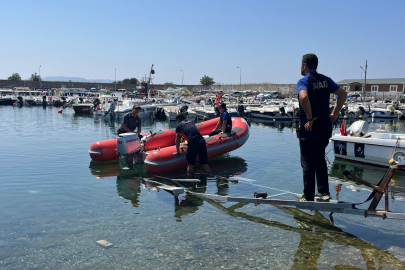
379	88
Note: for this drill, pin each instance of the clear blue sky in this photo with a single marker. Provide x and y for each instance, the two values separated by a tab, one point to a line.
211	37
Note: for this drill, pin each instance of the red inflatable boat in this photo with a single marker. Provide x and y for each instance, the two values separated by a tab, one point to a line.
107	150
164	160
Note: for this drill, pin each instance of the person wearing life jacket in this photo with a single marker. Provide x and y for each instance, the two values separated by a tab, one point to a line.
196	144
315	127
225	122
131	122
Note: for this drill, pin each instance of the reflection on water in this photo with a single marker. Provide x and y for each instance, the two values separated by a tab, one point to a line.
369	173
315	230
280	125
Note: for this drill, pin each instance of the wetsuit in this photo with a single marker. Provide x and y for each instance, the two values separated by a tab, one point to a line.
196	143
313	143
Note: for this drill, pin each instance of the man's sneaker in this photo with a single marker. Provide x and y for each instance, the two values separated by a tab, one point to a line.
302	199
322	197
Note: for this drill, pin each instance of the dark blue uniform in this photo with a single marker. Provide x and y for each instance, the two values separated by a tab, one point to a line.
131	122
196	142
313	143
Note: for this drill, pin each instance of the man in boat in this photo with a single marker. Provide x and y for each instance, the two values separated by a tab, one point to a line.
131	122
196	144
225	122
315	127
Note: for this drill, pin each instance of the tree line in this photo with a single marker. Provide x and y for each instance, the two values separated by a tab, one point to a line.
205	80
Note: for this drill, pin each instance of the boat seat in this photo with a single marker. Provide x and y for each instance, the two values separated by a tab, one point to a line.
237	129
209	139
224	135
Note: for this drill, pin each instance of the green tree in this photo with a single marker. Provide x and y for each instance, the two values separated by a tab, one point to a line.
14	77
35	77
169	84
133	81
127	81
207	80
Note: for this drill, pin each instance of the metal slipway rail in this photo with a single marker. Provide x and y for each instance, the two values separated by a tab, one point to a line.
332	206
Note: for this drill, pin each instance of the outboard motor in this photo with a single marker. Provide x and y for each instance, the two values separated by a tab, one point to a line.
217	113
96	102
44	100
363	111
241	110
129	150
63	98
282	111
183	110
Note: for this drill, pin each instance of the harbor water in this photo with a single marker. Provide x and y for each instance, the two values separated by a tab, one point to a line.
56	204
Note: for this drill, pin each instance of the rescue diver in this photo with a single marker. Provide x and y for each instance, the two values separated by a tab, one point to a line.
315	127
131	122
225	122
196	144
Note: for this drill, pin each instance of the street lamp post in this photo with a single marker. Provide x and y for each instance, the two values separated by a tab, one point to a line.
240	77
115	81
40	80
182	78
365	79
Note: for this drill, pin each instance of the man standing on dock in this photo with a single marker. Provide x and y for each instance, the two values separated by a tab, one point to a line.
315	128
131	122
196	144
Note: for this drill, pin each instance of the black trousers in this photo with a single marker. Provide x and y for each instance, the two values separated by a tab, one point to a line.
197	147
312	146
217	131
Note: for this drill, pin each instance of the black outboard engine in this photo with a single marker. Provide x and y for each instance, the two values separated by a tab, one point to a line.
282	111
217	113
183	110
241	110
361	109
44	100
80	100
96	102
63	98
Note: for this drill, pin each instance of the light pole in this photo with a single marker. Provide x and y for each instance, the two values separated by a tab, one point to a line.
40	81
240	77
182	78
365	79
115	81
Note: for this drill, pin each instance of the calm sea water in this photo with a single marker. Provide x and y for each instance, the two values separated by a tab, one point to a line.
55	204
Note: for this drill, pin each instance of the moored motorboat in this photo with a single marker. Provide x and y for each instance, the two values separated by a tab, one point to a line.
377	147
83	108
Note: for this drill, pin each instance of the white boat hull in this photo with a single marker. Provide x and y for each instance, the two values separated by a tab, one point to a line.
377	150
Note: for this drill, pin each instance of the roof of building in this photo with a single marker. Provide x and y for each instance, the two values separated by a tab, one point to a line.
373	81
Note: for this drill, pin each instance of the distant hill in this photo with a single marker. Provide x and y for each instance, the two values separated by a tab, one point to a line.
74	79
